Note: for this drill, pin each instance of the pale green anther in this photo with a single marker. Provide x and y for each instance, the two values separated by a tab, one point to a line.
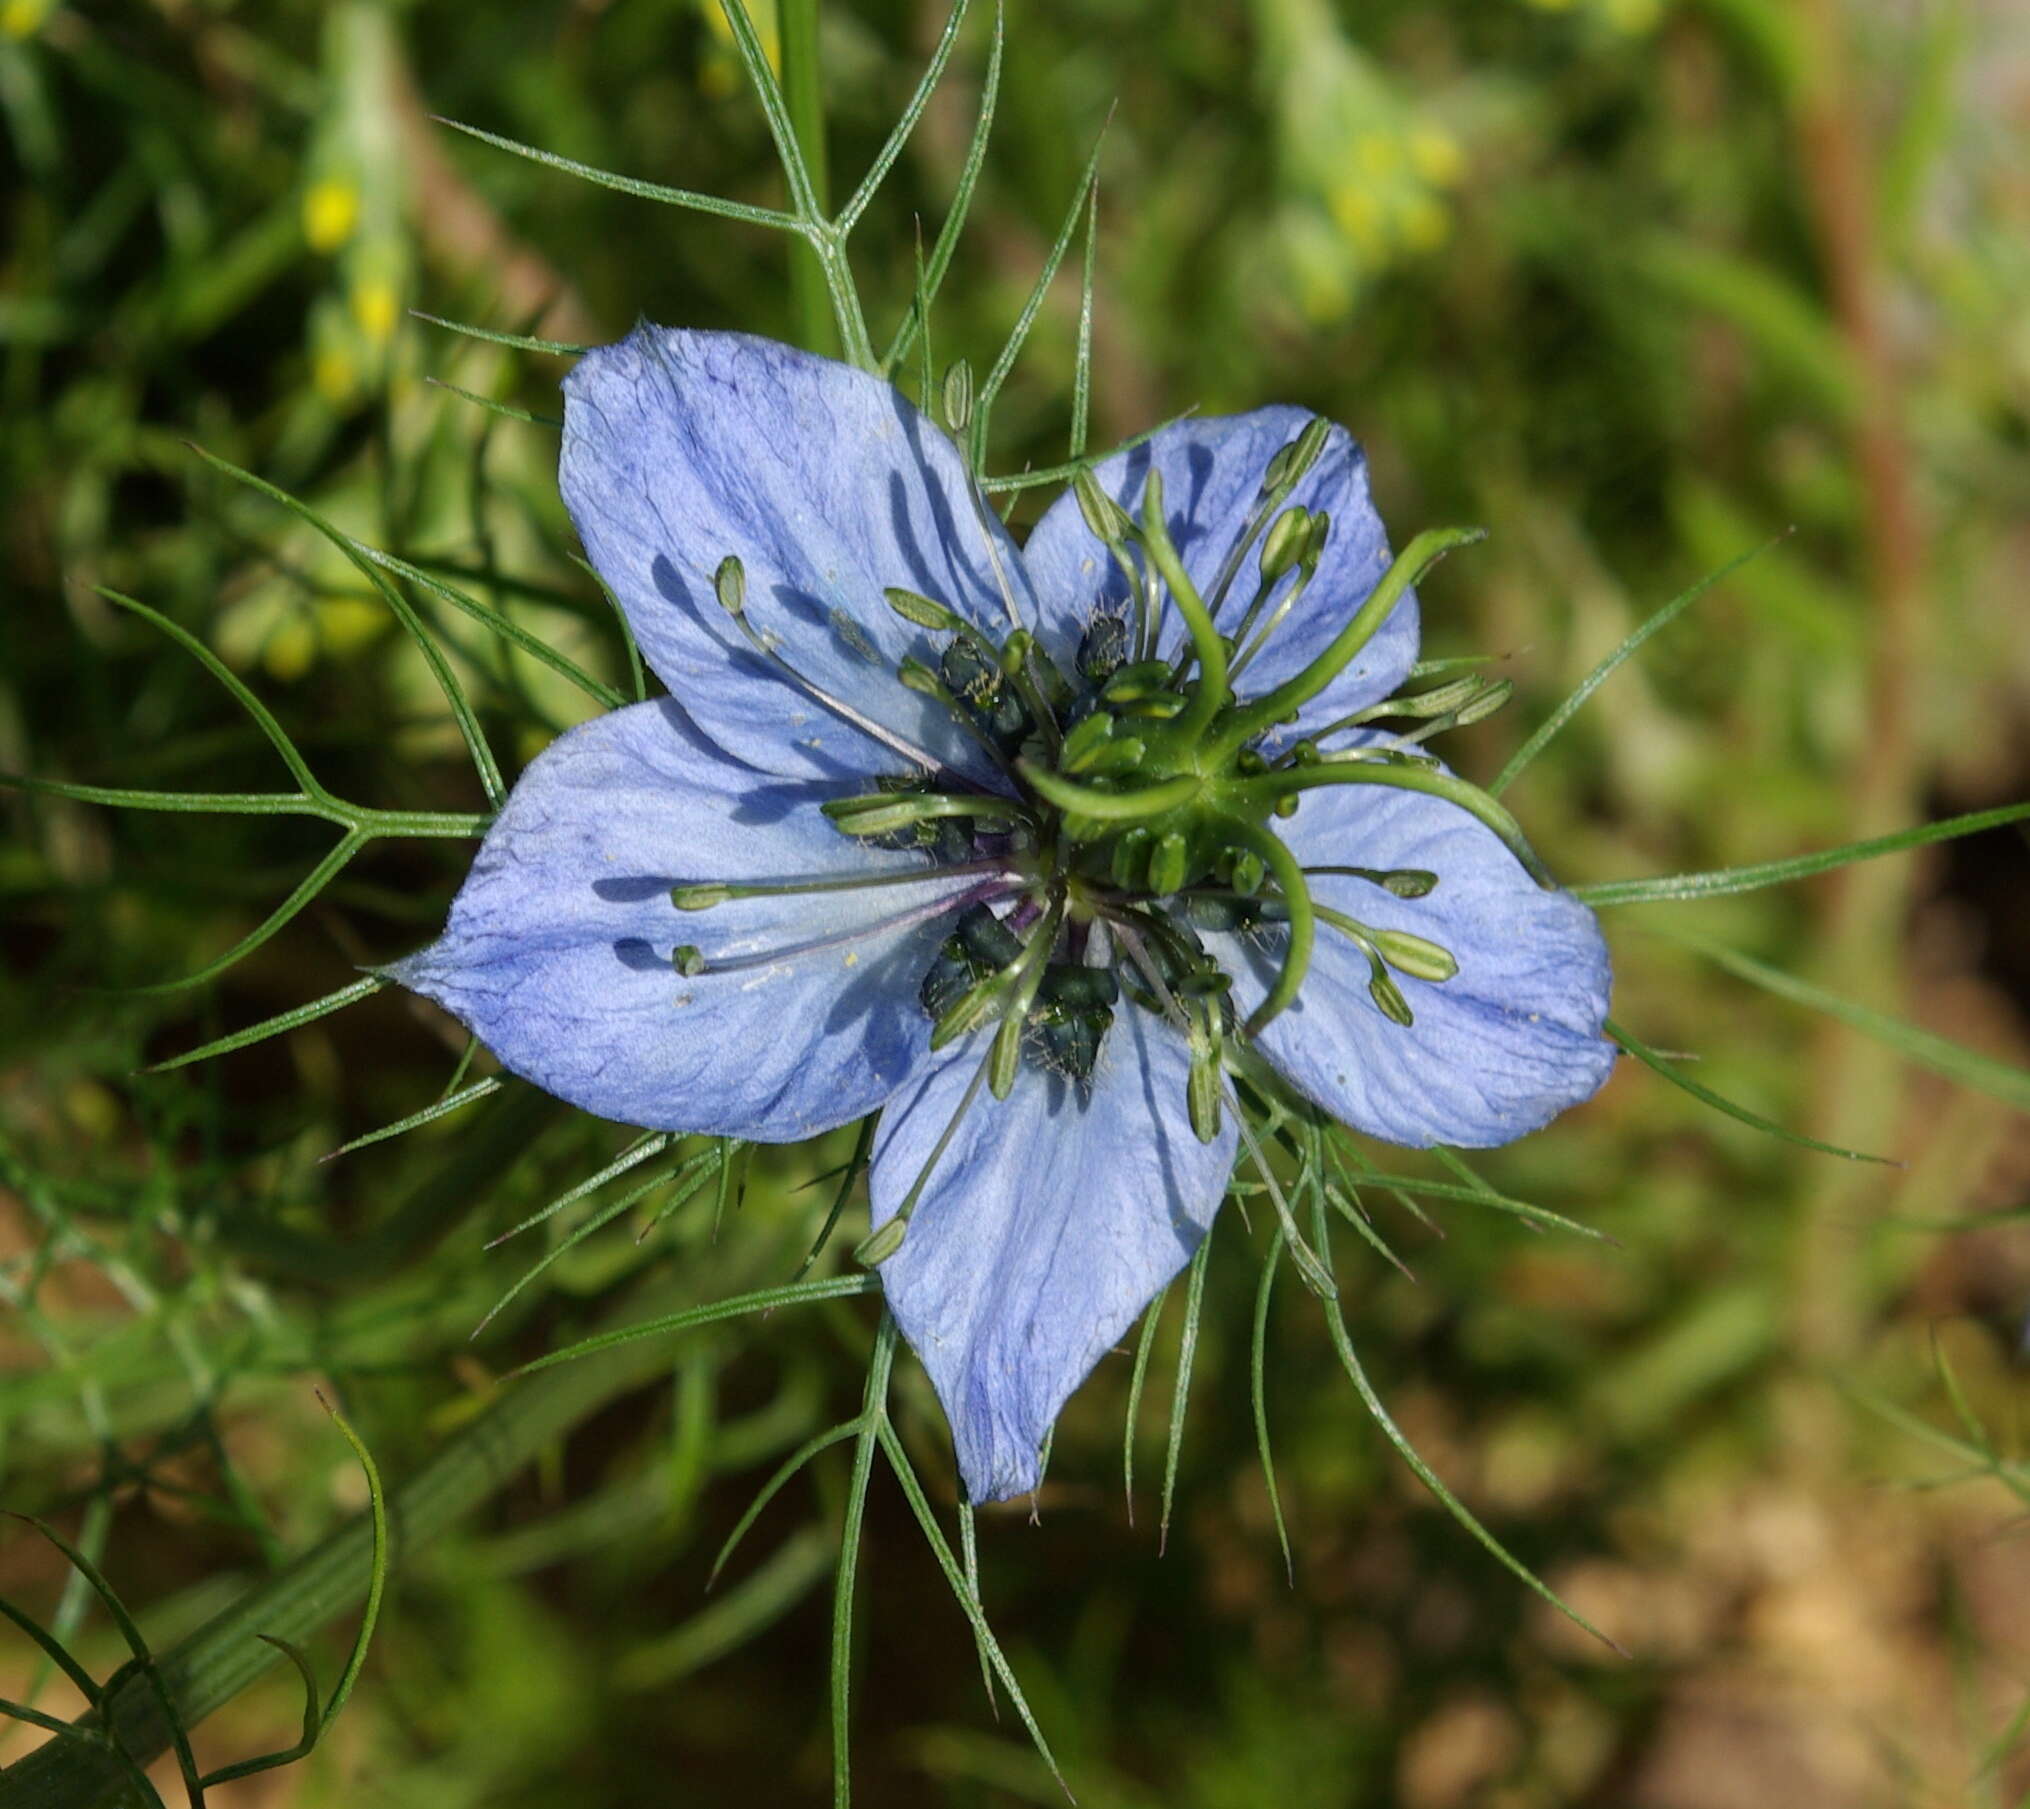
971	1010
1123	754
1487	702
1201	1086
699	897
730	584
1314	542
1388	998
1004	1061
1414	956
1104	517
1132	684
1084	740
913	606
688	960
1017	651
958	396
1438	702
1130	860
916	676
1169	863
1286	470
879	1246
1161	707
1285	544
1406	882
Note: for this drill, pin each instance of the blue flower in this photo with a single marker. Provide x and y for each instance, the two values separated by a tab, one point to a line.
1027	847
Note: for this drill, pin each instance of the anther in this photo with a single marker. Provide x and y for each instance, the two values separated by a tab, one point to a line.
958	396
1292	462
729	584
1413	955
1103	648
687	959
1285	544
913	606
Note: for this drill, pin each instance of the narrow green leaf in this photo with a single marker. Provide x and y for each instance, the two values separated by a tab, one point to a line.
258	712
884	159
1983	1073
761	1300
275	1026
1187	1350
301	896
627	185
377	1579
898	1461
1258	1392
433	655
1726	880
1592	682
521	342
415	1120
1651	1059
1342	1343
918	318
1140	1374
983	404
784	1473
506	410
873	1415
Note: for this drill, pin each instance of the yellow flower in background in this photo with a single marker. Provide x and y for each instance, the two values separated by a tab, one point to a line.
330	214
1437	156
1631	18
1366	179
377	309
24	18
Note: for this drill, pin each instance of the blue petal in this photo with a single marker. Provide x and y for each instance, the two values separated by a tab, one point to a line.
1048	1224
1496	1051
681	448
1212	475
558	954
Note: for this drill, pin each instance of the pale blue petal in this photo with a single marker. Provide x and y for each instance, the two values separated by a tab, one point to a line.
1212	474
558	952
1501	1048
1048	1224
683	447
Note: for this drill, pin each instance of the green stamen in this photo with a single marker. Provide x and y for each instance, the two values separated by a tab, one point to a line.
1289	877
1212	694
1283	785
879	813
1109	807
1252	720
707	893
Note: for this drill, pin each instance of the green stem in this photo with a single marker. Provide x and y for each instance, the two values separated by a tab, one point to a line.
1110	806
227	1654
803	95
1211	696
1428	780
1288	873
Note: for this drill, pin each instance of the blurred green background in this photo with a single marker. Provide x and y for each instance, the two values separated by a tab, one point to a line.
1637	284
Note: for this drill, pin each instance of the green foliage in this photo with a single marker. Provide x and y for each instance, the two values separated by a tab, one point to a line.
1512	248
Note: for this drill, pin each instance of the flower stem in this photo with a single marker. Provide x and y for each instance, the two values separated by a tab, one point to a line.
803	94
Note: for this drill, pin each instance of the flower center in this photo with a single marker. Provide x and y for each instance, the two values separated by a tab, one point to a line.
1139	792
